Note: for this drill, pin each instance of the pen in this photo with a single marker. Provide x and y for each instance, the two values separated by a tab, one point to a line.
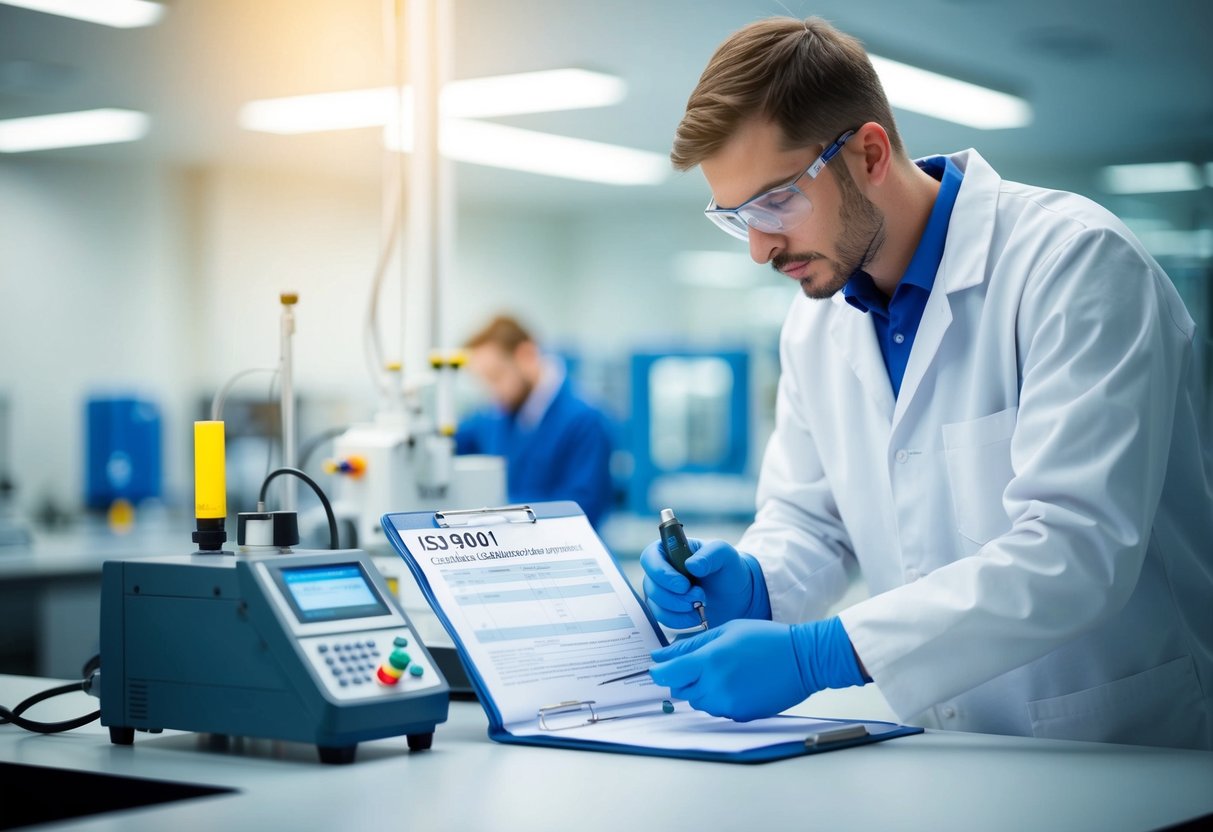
626	676
678	550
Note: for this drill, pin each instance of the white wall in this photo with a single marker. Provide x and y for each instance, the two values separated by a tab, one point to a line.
263	233
91	300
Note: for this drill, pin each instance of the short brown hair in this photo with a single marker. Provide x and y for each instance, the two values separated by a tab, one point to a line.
503	331
810	79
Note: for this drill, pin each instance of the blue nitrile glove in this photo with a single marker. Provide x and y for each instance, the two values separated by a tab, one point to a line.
728	582
750	669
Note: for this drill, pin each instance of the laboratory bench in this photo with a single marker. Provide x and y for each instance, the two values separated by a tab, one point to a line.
50	591
935	781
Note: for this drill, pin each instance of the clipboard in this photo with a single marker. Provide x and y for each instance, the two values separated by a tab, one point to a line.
572	722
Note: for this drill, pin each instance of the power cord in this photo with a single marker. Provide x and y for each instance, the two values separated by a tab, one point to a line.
328	507
90	684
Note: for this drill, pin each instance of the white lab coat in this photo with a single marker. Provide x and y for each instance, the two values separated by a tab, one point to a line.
1033	514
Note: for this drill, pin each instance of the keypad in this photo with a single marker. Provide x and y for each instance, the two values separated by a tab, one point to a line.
355	661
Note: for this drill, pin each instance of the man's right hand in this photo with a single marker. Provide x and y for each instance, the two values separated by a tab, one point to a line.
724	583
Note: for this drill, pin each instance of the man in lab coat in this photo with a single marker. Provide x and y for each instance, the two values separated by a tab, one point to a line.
556	445
989	399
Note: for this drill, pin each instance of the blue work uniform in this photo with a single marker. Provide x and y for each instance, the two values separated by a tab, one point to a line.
565	455
896	319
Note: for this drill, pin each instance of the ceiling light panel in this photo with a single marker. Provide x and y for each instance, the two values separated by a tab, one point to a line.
88	127
499	146
498	95
718	270
1154	178
317	113
531	92
950	99
121	14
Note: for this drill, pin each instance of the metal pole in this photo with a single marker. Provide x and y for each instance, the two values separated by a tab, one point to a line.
423	215
286	384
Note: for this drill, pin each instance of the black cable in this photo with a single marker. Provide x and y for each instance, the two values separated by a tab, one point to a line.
14	716
328	508
269	436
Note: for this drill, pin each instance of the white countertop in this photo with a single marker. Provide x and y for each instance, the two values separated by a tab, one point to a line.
82	549
935	781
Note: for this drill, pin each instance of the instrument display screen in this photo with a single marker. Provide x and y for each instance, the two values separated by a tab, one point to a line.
330	592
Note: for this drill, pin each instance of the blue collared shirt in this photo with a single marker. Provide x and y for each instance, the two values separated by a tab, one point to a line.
896	320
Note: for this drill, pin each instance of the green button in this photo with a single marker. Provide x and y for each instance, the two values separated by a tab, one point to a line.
416	670
399	659
400	641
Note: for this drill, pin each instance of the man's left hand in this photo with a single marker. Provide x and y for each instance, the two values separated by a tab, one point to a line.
747	669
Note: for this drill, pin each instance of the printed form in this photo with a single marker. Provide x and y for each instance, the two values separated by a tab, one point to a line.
542	610
545	614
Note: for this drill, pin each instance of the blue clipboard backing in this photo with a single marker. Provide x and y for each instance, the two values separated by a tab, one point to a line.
778	751
764	754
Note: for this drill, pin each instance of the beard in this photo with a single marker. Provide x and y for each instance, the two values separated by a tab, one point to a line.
863	234
521	394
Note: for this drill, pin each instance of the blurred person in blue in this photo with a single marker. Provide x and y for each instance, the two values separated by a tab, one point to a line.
557	446
990	400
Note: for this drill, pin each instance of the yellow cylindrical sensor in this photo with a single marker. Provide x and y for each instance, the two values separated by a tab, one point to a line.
210	486
210	477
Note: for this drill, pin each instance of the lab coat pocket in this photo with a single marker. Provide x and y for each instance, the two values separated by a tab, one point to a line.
1160	706
978	454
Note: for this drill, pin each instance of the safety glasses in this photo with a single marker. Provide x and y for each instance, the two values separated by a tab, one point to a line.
779	209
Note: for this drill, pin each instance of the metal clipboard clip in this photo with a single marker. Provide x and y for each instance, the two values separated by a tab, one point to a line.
856	731
484	516
570	707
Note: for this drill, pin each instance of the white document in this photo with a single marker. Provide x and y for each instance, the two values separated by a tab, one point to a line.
542	610
544	615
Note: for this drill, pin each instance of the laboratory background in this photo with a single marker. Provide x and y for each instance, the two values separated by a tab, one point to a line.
227	153
296	218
